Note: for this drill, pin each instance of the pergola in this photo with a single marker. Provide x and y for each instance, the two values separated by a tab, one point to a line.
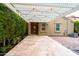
42	12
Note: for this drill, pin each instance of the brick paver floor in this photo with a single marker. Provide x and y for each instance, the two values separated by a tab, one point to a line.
39	46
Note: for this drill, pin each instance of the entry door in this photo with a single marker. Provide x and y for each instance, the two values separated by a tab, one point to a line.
34	28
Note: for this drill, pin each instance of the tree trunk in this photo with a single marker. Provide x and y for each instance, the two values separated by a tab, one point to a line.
8	41
4	42
14	41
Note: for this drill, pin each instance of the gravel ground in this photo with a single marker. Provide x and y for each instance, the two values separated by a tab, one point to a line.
69	42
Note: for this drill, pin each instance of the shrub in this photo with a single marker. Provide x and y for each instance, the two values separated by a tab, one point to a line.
5	49
12	26
76	26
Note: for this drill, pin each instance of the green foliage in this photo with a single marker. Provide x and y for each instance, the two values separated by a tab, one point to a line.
12	26
76	26
5	48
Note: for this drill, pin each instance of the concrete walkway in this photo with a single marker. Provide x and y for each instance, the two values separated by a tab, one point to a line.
39	46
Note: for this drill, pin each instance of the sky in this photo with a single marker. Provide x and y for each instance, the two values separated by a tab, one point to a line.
74	14
39	1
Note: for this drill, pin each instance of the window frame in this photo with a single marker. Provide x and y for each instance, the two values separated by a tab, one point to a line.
43	26
57	27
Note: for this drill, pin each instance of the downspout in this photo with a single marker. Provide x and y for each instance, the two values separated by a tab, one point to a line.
67	27
66	30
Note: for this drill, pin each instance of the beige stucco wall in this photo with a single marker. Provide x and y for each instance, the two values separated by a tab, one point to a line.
67	27
42	32
70	26
51	29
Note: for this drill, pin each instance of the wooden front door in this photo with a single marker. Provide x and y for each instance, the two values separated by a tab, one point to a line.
34	28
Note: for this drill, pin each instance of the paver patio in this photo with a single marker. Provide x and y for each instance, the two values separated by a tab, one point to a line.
39	46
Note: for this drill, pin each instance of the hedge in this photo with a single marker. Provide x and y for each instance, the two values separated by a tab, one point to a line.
12	27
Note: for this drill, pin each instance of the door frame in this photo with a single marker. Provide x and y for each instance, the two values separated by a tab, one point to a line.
32	29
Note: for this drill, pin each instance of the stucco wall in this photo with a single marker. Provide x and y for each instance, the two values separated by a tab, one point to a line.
42	32
70	26
65	28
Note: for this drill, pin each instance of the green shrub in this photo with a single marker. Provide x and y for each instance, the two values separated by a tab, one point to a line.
76	26
5	49
12	26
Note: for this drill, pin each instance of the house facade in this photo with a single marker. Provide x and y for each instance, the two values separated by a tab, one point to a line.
46	19
58	27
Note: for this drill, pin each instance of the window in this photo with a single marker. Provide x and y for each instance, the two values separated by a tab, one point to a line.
43	26
57	27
